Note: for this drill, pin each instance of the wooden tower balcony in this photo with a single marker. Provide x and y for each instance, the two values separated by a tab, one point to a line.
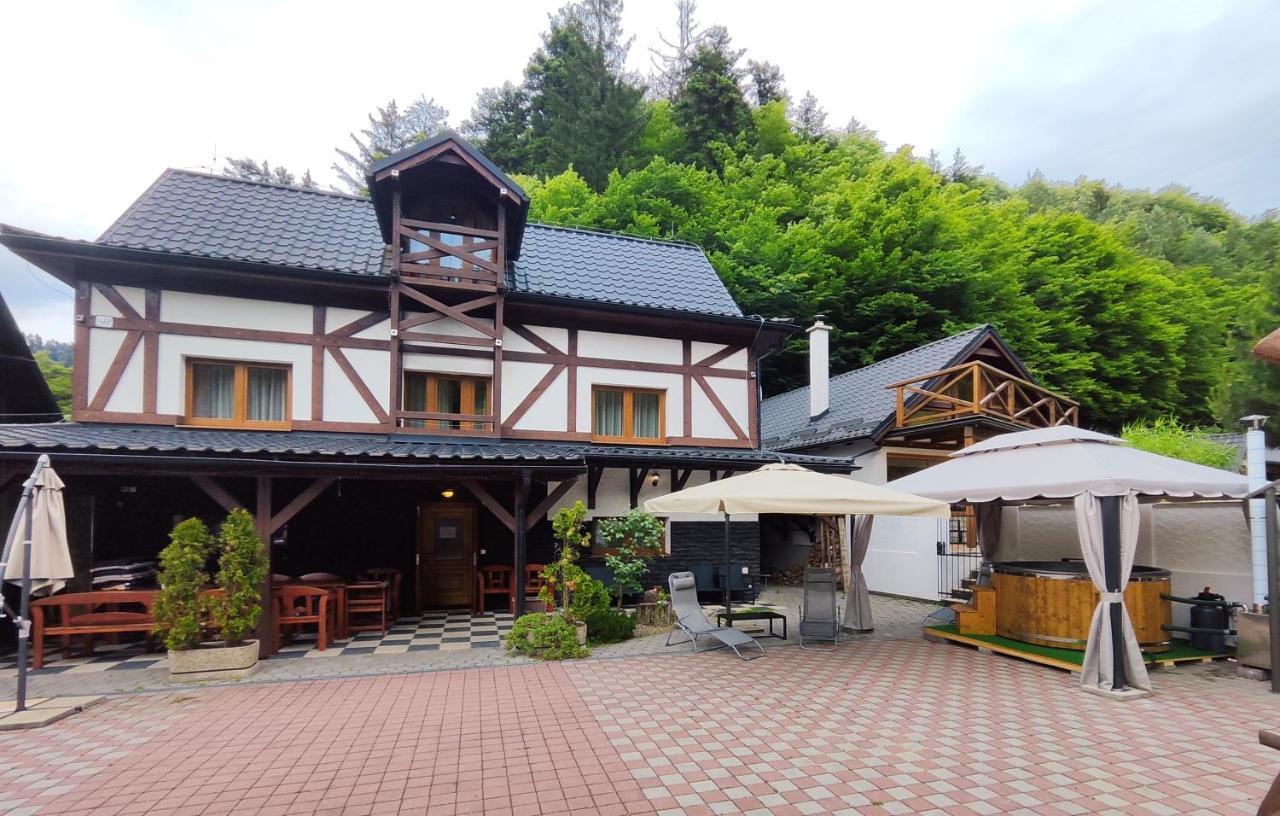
982	390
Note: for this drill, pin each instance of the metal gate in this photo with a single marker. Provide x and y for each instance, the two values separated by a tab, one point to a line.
959	558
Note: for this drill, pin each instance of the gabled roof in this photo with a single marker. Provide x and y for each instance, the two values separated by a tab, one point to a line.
25	396
859	401
208	216
402	156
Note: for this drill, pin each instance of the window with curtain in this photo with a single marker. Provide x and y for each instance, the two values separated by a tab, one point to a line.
426	392
628	415
222	392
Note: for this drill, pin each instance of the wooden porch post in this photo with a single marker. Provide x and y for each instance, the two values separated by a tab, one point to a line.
262	525
521	536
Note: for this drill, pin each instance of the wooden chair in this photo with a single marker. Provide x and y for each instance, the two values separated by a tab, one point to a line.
494	579
533	582
301	606
320	576
367	606
391	577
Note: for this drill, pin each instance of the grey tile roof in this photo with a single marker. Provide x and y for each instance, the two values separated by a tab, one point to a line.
602	266
859	400
105	438
444	136
210	216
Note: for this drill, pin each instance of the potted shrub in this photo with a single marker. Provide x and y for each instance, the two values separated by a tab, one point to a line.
234	608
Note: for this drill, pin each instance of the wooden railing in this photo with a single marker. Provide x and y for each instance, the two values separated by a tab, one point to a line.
978	388
450	256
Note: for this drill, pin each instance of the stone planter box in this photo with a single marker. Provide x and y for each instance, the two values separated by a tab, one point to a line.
214	661
581	630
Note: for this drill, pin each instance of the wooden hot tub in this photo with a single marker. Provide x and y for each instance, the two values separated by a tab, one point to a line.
1051	603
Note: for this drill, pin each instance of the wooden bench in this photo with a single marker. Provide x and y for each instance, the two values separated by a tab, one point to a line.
108	612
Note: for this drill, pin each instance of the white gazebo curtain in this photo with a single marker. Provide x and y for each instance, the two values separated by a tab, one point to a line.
1099	661
857	612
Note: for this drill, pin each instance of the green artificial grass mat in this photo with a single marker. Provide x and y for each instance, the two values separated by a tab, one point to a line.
1179	651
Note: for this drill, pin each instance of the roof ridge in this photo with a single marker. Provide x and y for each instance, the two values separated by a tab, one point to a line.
627	236
256	183
889	359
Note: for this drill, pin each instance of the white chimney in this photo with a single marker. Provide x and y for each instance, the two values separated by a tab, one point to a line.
819	368
1256	462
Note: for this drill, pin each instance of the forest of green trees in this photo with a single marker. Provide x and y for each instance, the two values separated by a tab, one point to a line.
1138	304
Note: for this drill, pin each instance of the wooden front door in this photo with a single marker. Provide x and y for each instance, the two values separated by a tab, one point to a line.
446	556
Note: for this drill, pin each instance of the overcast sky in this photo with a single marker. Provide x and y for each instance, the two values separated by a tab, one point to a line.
100	97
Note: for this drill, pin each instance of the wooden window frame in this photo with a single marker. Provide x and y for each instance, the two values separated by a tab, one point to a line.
240	397
663	549
467	397
628	417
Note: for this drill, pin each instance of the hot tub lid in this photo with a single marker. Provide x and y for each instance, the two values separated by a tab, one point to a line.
1072	568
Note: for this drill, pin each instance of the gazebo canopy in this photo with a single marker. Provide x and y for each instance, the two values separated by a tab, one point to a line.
1063	462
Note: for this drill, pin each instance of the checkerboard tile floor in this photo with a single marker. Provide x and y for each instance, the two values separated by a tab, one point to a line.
432	632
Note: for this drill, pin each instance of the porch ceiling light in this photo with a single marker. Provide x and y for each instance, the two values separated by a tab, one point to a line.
447	493
653	478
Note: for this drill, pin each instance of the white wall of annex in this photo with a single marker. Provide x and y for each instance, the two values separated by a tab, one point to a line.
133	295
103	345
175	349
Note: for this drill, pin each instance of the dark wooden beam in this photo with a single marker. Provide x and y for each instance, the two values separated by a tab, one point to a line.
594	472
317	364
550	501
635	477
535	339
679	478
573	381
218	493
720	407
361	387
722	354
308	495
261	520
117	300
491	504
520	525
151	354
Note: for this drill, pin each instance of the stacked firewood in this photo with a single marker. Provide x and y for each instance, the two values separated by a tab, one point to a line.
791	576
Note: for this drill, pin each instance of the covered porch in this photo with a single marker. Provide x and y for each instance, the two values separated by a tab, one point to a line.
435	512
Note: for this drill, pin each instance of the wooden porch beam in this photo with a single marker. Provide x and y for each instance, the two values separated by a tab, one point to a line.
550	501
594	472
490	503
636	482
308	495
214	489
679	478
261	520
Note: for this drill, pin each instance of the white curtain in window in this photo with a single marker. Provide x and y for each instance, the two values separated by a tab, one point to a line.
213	391
608	410
644	415
267	394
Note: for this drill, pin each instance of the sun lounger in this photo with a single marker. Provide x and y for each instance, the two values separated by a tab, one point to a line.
694	624
820	611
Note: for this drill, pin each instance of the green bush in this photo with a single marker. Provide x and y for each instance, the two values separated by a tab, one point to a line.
182	576
610	626
587	597
545	635
633	536
242	569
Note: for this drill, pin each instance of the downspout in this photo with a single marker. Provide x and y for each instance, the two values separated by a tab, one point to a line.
1256	462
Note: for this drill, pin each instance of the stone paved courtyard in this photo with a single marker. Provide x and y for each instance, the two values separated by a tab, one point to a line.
883	726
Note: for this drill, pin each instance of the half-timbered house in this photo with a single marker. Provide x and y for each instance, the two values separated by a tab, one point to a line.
415	379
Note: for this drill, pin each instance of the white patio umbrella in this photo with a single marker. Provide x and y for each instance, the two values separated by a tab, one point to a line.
1105	477
784	488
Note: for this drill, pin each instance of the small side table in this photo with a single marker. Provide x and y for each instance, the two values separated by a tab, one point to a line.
755	615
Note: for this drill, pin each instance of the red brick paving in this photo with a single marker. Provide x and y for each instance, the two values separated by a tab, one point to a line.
880	727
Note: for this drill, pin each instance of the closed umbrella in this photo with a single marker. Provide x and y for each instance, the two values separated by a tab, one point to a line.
35	553
50	555
784	488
